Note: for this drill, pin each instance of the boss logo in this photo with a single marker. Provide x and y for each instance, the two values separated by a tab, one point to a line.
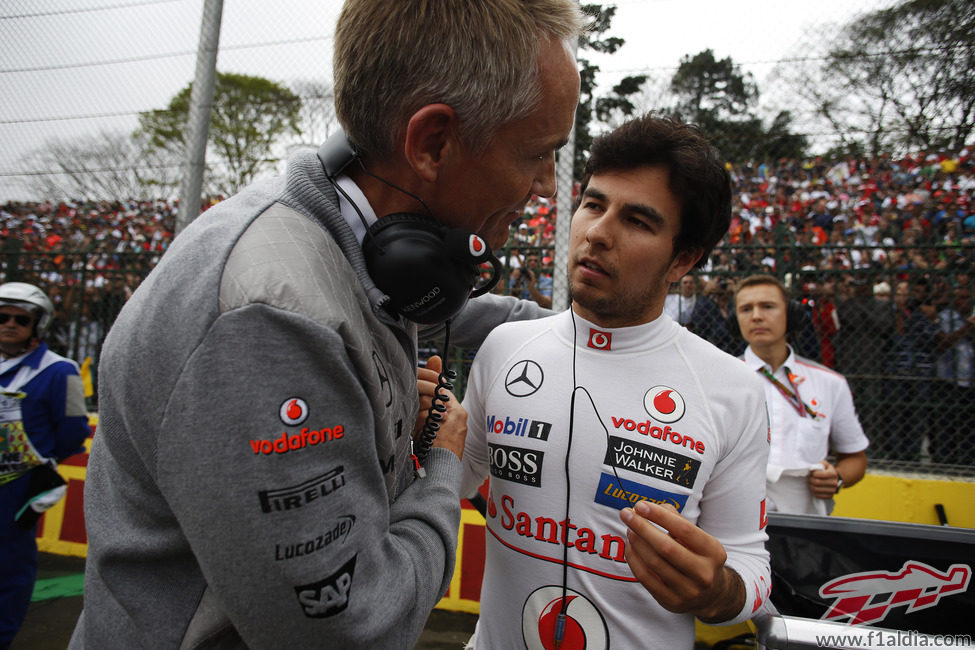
330	596
516	464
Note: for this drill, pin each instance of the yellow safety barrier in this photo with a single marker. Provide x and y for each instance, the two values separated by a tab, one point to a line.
890	497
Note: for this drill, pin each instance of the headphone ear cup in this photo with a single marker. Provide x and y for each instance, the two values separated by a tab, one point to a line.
795	317
734	329
409	259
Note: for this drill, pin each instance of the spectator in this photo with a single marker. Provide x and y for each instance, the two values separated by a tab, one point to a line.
525	236
810	407
530	283
253	481
911	370
680	306
803	332
820	216
862	347
512	260
110	301
954	440
712	316
42	421
826	322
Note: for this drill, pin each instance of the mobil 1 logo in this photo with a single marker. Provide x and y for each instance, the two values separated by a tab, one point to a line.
516	464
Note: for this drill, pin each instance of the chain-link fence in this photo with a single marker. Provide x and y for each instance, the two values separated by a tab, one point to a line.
894	322
86	82
850	154
897	333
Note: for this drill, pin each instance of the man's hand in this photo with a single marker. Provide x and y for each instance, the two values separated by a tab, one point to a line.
453	427
682	566
824	483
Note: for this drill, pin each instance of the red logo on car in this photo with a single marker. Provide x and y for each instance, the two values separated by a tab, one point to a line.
916	586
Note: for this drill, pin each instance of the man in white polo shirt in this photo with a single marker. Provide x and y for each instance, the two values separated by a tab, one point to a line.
810	406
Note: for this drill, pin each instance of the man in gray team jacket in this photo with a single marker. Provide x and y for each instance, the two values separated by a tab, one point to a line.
251	480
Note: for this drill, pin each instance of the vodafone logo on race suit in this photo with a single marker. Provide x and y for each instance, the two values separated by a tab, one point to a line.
664	404
293	411
600	340
916	586
585	628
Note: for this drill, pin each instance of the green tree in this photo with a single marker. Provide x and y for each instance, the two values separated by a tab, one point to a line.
901	78
316	118
110	165
250	114
780	142
592	107
717	96
708	89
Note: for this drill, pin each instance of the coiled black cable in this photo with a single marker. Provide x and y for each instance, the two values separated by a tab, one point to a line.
435	415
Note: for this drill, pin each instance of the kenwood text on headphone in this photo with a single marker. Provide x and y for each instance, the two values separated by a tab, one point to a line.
428	270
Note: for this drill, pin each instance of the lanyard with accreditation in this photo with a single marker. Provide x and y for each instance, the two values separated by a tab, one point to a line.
791	395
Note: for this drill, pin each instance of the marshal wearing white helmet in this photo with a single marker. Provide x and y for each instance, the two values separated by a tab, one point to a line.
30	298
42	421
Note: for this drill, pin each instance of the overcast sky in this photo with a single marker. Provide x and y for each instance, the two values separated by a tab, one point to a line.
70	67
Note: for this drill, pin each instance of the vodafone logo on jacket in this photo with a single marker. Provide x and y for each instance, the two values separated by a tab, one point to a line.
293	411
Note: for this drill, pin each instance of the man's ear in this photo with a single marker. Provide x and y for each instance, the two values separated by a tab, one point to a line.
431	137
682	263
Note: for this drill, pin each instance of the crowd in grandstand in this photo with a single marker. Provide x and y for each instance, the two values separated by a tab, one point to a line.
850	236
858	212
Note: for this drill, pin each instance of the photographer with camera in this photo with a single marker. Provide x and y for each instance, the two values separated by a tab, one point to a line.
530	283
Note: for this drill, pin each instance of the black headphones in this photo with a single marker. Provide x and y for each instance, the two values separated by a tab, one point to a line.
429	271
795	317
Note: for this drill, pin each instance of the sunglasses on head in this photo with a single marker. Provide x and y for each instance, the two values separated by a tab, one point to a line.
20	319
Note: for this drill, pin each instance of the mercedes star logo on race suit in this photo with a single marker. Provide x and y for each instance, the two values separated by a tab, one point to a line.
664	404
585	628
524	378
